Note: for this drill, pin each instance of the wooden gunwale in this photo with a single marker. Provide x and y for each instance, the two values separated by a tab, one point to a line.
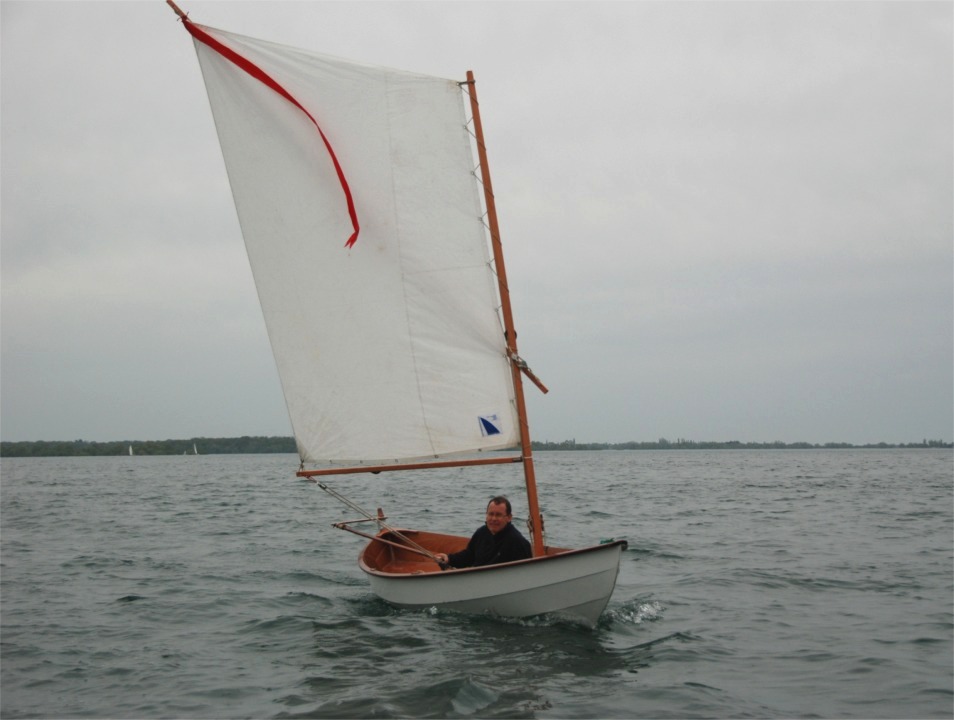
437	542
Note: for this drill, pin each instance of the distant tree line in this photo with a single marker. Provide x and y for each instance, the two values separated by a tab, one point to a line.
680	444
203	446
252	445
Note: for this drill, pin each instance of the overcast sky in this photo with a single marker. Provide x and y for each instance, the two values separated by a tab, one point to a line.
723	221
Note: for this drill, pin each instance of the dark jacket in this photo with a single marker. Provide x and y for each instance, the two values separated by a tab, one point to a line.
485	548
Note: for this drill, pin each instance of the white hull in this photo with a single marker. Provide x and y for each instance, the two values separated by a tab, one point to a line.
576	584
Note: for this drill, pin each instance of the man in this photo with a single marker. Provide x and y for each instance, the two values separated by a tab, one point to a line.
497	541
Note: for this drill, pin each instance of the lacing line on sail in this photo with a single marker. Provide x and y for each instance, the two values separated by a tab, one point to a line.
256	72
373	518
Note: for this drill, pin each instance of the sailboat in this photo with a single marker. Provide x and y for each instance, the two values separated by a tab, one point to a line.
385	296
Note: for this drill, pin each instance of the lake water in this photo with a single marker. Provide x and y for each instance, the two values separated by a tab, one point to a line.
769	584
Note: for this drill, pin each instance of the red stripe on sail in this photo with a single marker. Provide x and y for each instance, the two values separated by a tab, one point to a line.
263	77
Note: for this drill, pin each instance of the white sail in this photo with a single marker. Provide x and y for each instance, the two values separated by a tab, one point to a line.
391	350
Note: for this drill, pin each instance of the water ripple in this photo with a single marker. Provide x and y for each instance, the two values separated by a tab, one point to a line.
756	584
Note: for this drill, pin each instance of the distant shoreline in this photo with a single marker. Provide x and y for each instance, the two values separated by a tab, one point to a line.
259	444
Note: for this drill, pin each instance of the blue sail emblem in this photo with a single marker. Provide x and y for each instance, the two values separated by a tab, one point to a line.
489	425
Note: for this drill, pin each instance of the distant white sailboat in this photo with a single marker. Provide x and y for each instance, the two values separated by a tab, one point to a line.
130	450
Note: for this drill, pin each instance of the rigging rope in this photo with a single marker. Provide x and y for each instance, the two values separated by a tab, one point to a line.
376	518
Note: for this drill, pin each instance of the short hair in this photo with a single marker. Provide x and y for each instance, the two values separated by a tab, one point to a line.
501	500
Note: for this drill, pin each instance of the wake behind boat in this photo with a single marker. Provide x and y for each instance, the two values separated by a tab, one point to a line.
388	315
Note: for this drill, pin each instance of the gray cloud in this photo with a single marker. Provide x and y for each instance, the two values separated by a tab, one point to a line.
722	220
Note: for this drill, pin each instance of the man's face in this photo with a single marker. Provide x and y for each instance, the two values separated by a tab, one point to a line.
497	517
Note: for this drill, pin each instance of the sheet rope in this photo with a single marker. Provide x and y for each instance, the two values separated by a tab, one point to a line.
375	518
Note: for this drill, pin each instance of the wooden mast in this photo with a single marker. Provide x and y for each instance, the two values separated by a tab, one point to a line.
536	521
